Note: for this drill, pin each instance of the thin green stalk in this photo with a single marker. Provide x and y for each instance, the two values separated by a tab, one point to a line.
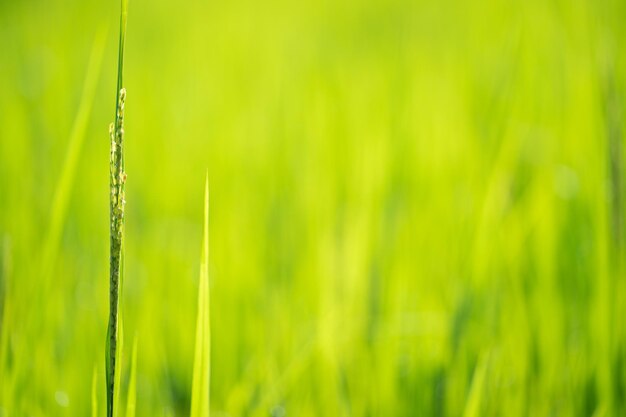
474	399
63	190
131	401
117	201
202	362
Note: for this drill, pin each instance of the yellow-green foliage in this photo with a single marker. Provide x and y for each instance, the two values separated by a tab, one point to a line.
417	207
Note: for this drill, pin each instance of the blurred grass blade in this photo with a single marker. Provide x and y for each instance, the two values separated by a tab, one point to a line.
5	271
472	407
132	384
77	137
94	393
202	366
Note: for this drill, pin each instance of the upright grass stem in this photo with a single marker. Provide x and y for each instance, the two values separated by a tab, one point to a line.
200	388
116	205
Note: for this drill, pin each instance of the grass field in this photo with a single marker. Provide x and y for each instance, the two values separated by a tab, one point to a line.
417	208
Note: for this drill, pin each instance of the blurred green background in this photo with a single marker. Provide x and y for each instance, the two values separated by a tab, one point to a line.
417	207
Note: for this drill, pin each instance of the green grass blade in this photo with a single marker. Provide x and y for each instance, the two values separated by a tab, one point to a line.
120	59
202	366
5	320
132	384
77	136
94	393
473	405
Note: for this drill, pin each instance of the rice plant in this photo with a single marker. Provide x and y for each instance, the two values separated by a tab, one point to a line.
117	202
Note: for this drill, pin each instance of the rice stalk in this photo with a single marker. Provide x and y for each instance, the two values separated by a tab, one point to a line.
117	202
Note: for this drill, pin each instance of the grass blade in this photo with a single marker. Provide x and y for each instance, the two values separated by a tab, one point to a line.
200	389
94	393
132	384
473	405
64	186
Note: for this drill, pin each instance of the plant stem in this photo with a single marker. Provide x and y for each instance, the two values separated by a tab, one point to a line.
116	206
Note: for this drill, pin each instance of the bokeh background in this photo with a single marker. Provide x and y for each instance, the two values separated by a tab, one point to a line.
417	207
